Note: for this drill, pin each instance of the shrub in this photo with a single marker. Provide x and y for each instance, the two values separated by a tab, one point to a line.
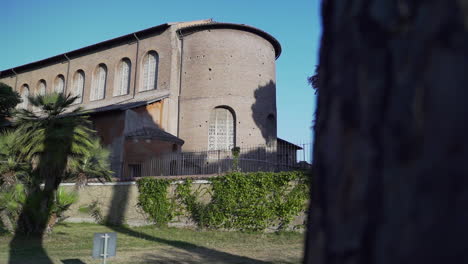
14	199
242	201
254	201
154	201
94	210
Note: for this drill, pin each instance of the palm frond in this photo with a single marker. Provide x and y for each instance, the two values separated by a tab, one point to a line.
55	134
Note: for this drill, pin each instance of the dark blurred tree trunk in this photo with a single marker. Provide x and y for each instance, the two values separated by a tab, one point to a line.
391	134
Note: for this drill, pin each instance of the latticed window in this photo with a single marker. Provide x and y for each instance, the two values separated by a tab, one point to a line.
59	84
41	89
78	85
221	131
24	97
150	71
98	88
123	79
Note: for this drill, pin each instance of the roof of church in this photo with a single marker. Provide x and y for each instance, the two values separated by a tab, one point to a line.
189	28
287	143
126	104
153	133
184	28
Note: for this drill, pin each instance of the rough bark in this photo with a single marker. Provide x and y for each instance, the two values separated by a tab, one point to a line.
391	145
6	221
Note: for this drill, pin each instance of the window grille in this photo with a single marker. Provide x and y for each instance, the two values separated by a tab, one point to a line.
221	132
123	80
150	71
59	84
99	85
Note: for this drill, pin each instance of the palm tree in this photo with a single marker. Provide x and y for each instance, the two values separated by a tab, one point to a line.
12	169
49	138
8	101
92	164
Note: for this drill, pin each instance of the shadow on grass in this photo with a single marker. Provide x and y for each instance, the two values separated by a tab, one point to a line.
116	218
181	257
203	254
72	261
25	249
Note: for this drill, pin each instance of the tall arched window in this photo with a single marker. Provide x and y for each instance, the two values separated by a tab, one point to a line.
221	131
41	87
150	71
98	89
24	97
122	83
78	85
59	84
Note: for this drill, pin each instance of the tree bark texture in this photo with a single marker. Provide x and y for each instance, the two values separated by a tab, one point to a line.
391	134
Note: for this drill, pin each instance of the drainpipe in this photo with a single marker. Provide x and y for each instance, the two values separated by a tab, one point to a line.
181	38
122	161
136	65
65	89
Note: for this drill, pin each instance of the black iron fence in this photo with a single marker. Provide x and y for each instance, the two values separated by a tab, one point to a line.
279	157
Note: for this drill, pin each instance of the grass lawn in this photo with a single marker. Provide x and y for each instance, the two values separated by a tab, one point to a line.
72	244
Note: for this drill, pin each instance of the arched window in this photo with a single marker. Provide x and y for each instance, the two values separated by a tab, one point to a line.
24	97
221	131
98	89
41	87
59	84
78	85
122	83
150	71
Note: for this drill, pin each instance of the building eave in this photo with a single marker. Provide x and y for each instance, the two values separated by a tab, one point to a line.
125	105
279	140
219	25
154	134
85	50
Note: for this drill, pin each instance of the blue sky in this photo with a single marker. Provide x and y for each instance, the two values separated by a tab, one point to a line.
33	30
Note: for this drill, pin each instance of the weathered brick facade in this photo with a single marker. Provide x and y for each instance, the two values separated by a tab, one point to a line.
202	65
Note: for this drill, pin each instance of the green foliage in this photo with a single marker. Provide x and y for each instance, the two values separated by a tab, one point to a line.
49	140
242	201
187	200
255	201
8	101
235	161
63	201
12	198
154	201
49	134
92	164
94	210
12	169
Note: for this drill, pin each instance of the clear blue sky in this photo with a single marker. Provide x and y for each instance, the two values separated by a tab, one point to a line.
36	29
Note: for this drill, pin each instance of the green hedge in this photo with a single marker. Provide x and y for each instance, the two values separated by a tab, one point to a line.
242	201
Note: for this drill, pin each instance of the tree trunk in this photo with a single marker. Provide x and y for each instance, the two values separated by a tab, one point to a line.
5	220
391	144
